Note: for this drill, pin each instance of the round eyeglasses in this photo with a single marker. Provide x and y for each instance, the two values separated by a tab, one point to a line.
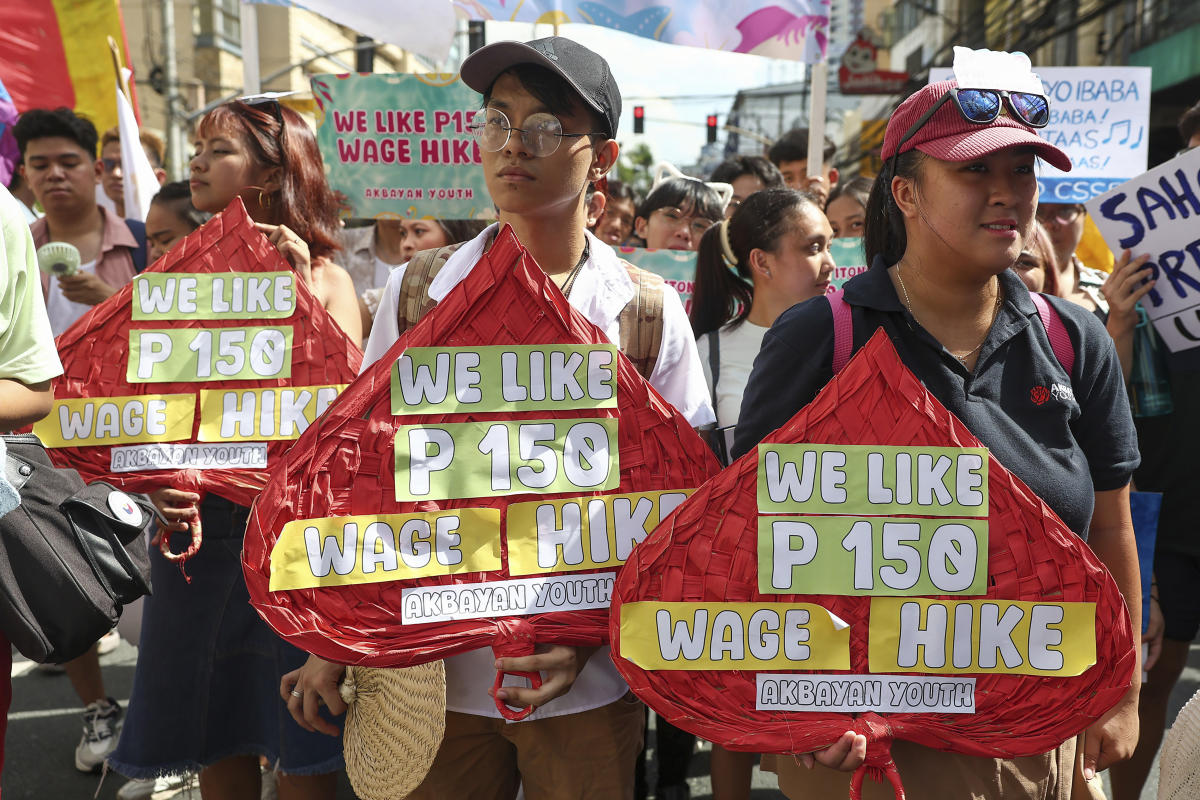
541	135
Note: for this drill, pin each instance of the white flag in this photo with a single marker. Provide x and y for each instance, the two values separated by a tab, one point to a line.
140	184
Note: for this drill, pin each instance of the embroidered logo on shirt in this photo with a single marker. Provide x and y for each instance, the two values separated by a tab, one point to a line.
1060	392
1039	395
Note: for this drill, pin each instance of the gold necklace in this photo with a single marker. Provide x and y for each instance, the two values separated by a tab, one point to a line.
963	358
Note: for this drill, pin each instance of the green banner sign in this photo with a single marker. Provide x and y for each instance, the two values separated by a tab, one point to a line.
850	259
676	267
398	145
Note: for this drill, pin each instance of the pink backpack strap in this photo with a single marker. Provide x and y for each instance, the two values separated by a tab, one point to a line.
1056	332
843	330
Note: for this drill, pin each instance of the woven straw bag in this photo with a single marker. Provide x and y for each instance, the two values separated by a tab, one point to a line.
707	552
1179	773
344	465
394	725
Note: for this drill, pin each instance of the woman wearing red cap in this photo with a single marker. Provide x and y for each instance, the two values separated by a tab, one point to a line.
947	218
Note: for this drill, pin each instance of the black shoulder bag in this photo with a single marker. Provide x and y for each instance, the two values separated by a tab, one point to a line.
71	555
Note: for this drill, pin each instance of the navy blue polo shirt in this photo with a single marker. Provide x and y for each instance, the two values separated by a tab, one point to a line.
1077	441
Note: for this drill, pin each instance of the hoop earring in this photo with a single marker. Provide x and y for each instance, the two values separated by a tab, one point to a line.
264	200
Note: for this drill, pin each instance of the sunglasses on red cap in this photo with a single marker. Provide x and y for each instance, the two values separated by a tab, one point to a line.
983	106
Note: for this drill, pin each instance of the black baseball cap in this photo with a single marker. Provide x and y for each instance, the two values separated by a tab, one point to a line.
586	71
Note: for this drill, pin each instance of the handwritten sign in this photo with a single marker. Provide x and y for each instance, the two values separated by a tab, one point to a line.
398	145
1156	213
1099	116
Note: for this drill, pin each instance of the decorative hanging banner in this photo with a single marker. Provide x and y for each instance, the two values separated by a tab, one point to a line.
479	485
398	145
676	267
792	29
1156	213
201	372
965	615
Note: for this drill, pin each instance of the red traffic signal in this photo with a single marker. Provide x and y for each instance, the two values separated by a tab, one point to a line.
712	128
639	119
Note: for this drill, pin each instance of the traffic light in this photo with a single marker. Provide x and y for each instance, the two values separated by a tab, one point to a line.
712	128
639	119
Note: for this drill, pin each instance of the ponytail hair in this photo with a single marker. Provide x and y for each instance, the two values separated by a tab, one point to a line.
724	288
883	229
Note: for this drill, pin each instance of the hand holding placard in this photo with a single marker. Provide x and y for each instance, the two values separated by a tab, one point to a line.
1020	641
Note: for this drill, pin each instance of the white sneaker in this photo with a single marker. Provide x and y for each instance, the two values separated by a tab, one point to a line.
108	642
101	724
168	786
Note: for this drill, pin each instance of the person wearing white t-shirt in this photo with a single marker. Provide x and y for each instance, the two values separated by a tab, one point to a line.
770	255
551	109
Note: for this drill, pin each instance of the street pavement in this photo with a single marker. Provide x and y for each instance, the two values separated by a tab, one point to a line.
44	727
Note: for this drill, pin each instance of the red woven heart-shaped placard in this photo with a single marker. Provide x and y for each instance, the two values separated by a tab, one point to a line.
707	552
343	466
95	352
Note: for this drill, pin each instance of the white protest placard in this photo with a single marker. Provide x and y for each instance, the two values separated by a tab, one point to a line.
1099	116
1156	213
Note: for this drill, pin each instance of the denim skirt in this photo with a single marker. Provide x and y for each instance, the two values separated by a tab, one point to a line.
207	680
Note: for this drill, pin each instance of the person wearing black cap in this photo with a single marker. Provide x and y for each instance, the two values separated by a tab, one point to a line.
545	133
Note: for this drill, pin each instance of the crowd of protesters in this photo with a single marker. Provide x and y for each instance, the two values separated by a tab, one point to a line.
954	247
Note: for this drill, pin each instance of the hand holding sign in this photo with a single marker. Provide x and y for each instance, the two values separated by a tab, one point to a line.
199	373
894	580
477	486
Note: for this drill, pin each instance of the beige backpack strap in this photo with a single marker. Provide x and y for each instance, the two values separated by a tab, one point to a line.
415	302
641	321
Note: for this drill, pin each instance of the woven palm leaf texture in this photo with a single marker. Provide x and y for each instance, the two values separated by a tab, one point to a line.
395	720
344	466
96	353
707	552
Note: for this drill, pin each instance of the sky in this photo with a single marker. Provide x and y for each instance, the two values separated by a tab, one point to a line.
660	77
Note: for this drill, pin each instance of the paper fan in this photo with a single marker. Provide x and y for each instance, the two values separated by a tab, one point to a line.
341	477
746	694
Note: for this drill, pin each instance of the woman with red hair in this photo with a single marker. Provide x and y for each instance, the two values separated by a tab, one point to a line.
205	692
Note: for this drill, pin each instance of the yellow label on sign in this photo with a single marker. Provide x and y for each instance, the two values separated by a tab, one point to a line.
256	415
344	551
91	421
739	636
583	532
981	636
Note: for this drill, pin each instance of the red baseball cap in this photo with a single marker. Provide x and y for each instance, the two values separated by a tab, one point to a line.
949	136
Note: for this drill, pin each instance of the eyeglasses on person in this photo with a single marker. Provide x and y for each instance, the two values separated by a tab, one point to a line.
675	218
1063	215
111	164
541	135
